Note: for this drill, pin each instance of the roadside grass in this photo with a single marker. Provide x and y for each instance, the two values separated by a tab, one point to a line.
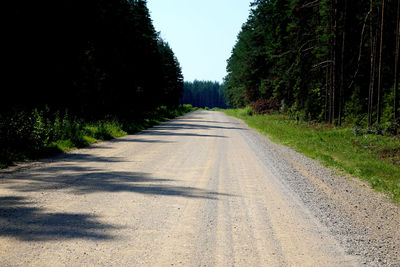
85	135
373	158
32	136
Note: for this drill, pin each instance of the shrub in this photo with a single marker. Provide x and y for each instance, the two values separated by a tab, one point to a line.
358	131
104	130
379	129
37	133
247	111
265	106
393	128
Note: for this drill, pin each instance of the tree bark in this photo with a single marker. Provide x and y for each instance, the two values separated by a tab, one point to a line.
372	79
341	92
396	64
372	67
332	113
326	93
379	104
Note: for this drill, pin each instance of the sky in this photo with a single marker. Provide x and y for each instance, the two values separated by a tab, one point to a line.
201	33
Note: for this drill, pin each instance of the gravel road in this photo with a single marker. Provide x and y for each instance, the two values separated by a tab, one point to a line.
200	190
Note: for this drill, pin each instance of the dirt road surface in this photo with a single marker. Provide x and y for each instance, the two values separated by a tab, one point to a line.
200	190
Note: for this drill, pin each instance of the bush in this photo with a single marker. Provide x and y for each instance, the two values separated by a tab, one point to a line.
247	111
104	130
25	135
358	131
393	128
265	106
379	129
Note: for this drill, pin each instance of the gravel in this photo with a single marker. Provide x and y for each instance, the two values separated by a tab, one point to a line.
365	222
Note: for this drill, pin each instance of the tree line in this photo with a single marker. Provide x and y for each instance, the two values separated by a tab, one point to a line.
326	60
94	58
204	94
74	71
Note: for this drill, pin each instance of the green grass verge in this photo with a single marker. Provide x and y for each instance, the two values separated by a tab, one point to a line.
373	158
106	130
89	134
33	136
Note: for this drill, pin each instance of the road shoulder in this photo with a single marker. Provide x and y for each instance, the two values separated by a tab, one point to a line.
365	222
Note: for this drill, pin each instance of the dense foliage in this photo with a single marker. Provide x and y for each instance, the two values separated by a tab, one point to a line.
330	60
27	135
265	106
70	63
92	57
203	94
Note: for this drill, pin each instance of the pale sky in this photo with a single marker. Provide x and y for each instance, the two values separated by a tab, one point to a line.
201	33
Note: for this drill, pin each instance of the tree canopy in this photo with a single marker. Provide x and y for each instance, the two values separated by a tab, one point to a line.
326	59
93	58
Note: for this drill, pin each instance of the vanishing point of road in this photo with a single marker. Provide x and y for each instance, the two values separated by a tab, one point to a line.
199	190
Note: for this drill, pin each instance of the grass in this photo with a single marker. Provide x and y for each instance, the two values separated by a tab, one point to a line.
31	135
89	133
106	130
373	158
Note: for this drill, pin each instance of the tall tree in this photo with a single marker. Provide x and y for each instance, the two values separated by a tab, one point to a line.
204	94
379	103
314	58
396	63
92	58
342	62
172	78
373	41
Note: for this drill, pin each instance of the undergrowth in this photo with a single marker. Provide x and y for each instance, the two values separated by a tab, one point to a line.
36	134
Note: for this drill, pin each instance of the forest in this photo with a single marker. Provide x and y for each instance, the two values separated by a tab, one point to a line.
69	62
204	94
333	61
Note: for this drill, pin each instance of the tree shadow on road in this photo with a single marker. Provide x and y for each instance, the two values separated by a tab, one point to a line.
84	180
202	121
132	139
20	220
192	126
159	130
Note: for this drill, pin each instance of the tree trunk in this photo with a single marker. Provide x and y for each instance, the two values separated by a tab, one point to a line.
330	66
396	63
379	104
372	67
372	79
341	92
327	93
332	113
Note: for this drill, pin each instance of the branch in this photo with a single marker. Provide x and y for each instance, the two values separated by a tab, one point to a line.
360	51
306	43
283	54
309	48
311	4
322	63
291	67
